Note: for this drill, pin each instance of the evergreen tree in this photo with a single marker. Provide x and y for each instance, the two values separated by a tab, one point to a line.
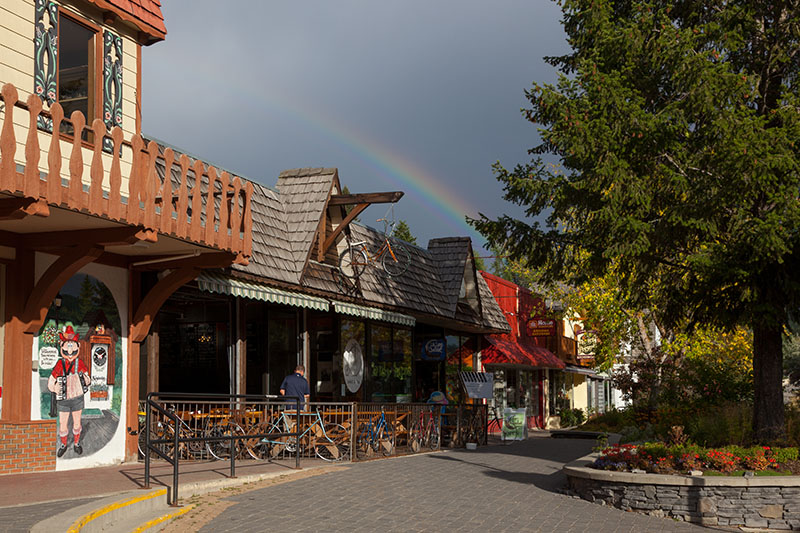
403	232
86	297
675	123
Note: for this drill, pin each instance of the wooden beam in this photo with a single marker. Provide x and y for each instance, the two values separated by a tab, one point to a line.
51	282
365	198
116	236
206	260
147	310
347	220
17	208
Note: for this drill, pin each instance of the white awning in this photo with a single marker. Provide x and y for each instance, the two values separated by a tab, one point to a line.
373	313
581	370
258	291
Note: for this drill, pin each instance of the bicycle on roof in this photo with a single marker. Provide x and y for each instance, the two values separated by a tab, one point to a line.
394	256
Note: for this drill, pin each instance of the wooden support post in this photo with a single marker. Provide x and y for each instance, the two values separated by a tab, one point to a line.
18	345
131	414
153	360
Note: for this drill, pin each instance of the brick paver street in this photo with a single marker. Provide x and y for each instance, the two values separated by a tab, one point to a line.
510	487
21	518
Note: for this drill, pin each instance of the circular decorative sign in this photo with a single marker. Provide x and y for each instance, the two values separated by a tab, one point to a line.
353	365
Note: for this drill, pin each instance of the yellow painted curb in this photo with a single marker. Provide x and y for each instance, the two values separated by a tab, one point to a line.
78	524
155	521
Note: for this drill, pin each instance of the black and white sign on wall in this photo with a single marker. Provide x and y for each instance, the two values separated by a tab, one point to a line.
477	384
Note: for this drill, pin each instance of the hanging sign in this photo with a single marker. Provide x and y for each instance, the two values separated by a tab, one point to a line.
541	327
478	384
353	365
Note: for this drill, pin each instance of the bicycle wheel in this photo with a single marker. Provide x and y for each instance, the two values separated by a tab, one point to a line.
352	262
385	441
433	436
333	443
364	446
395	259
280	446
221	449
415	437
257	447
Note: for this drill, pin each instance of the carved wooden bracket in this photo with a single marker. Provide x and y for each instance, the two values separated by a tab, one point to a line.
330	239
51	282
361	202
16	208
144	314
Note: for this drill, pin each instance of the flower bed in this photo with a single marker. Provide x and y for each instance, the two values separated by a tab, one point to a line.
712	500
659	458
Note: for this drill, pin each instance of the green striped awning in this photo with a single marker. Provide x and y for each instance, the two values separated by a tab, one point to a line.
373	313
258	291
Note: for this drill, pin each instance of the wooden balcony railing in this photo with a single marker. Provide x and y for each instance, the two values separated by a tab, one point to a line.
207	207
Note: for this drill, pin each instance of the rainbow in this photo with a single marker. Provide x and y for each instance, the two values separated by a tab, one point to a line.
418	184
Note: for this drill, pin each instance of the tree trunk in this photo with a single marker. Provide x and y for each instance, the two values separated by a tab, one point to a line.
768	416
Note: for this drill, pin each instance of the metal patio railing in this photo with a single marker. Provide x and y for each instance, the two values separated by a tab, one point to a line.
180	425
184	427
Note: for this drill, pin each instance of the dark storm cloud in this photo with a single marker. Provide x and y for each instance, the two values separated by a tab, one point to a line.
258	87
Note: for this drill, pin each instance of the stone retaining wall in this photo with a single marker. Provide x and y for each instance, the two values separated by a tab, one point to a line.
759	502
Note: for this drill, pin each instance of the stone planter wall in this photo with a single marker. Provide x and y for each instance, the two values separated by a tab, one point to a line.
765	502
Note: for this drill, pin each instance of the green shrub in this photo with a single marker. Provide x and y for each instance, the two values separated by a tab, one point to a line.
571	417
727	424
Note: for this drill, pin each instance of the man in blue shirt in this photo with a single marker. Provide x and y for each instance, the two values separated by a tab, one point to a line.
296	385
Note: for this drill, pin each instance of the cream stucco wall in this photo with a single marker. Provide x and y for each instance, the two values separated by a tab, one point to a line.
17	67
116	279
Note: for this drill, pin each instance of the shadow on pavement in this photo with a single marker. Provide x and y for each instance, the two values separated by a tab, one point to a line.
161	472
544	471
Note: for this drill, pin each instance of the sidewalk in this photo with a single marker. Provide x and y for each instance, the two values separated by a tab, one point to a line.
26	499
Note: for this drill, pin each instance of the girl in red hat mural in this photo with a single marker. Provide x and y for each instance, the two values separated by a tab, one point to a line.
69	381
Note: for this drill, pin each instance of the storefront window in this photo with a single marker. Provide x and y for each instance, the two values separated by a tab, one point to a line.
429	353
460	358
282	346
559	393
322	347
390	364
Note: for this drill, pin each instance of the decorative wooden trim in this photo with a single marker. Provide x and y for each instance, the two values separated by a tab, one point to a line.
51	282
148	308
112	80
227	225
8	144
32	153
45	46
17	208
138	95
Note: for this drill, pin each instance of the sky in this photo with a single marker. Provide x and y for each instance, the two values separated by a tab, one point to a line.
417	96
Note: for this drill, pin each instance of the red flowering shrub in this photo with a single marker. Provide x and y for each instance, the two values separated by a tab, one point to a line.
663	459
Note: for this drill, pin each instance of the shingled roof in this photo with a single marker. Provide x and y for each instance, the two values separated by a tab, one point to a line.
285	225
304	193
450	255
272	256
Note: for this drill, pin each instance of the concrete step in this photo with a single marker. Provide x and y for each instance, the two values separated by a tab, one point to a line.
100	515
146	520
